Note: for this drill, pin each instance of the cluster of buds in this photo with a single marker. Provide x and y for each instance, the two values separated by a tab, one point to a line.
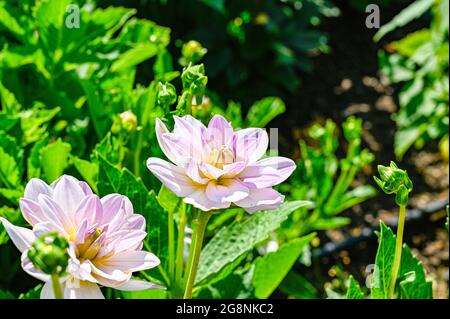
194	80
49	254
394	180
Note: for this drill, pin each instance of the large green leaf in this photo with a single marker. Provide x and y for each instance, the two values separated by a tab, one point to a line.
412	278
240	237
11	158
9	170
54	160
271	269
50	23
100	115
236	285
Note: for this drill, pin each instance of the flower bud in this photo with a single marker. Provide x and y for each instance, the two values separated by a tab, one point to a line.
166	94
49	253
352	128
394	180
194	80
129	121
192	52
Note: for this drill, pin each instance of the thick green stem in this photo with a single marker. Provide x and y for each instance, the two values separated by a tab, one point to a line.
200	226
56	287
398	250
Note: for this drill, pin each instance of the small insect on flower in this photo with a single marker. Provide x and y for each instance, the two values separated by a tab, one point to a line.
104	239
214	167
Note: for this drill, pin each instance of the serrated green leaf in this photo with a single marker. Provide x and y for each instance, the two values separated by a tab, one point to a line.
383	263
9	170
412	278
237	285
271	269
11	162
354	290
232	241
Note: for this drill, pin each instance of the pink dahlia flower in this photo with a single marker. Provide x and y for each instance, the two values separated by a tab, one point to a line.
213	167
105	237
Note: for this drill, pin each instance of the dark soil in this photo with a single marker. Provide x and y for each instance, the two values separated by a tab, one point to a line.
346	82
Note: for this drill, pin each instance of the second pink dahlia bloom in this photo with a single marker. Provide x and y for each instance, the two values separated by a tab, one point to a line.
213	167
105	237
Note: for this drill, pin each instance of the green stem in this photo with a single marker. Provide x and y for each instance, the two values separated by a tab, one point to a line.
180	246
350	178
171	243
160	268
137	153
200	226
337	187
398	250
56	287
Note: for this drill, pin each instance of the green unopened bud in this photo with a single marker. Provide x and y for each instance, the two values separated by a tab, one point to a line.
194	80
166	94
129	121
192	52
49	253
366	157
394	180
352	128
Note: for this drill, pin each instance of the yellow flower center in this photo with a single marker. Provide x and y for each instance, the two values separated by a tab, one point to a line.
91	246
220	156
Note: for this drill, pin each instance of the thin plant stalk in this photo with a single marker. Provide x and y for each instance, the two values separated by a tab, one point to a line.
180	246
398	250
